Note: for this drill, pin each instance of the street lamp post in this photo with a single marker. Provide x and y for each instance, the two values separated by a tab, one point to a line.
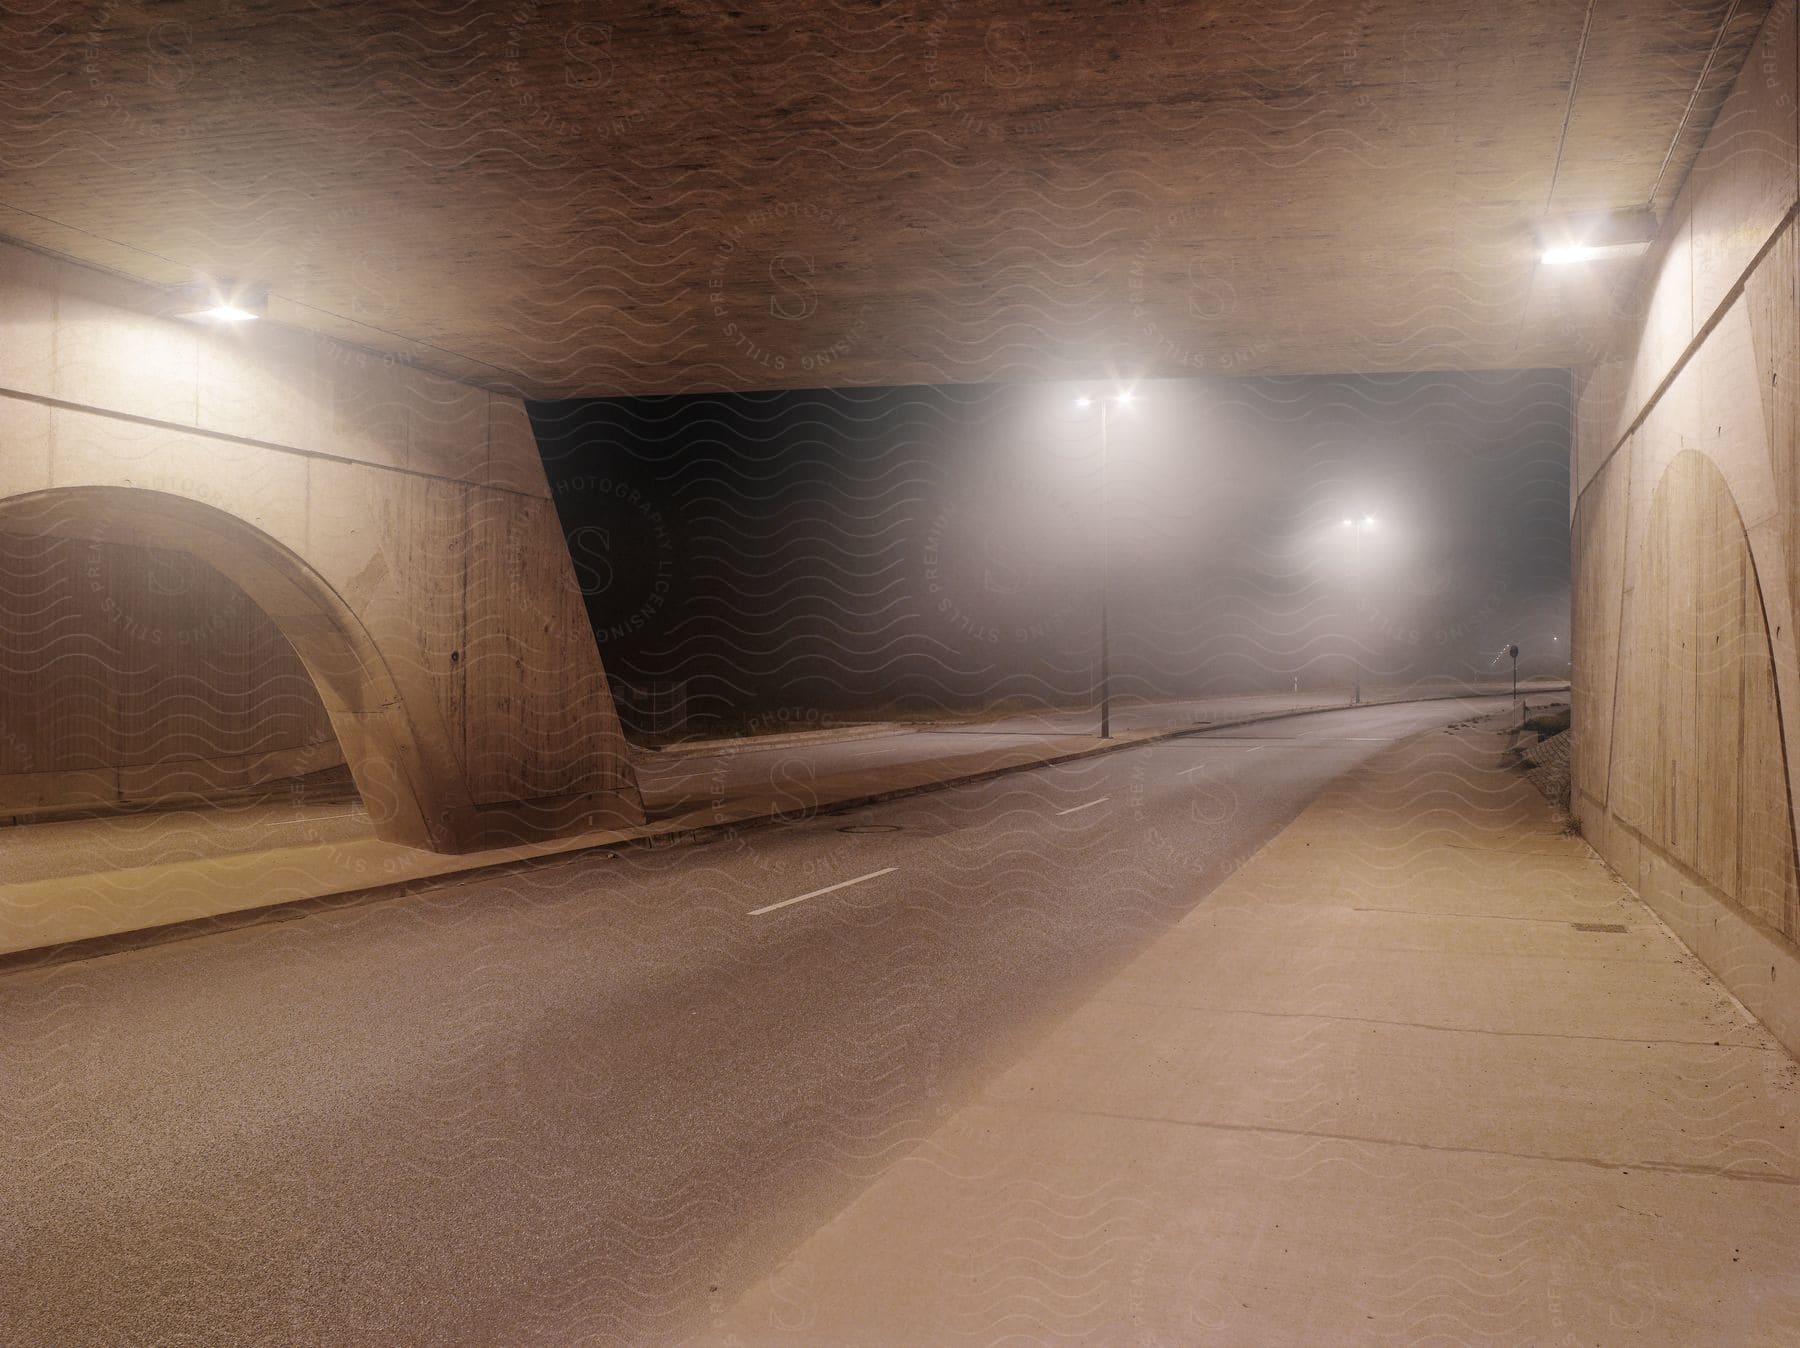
1357	528
1124	400
1105	586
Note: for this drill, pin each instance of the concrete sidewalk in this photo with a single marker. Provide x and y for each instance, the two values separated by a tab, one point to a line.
89	878
1422	1071
85	878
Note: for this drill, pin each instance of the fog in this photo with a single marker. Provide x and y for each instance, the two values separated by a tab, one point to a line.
784	556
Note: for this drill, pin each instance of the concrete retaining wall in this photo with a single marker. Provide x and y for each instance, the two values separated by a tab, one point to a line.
1686	685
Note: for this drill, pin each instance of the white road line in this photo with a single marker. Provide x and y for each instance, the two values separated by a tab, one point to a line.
1198	766
1090	805
842	884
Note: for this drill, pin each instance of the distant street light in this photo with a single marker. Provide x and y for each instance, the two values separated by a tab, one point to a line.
1357	527
1123	399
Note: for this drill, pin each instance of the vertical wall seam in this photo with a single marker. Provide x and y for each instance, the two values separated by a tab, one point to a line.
1612	736
50	418
460	675
1749	589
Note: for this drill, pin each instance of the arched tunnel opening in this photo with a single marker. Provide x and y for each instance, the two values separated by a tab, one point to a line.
163	653
140	678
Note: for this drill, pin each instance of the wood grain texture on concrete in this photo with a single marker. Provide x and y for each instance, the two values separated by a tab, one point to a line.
1686	570
1422	1070
673	197
392	525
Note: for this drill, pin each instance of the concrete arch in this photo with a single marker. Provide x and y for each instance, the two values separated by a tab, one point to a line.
1698	766
394	524
368	711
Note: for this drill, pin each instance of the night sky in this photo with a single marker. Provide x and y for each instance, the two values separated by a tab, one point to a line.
784	556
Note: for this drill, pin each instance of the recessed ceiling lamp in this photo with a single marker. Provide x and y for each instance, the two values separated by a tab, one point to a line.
220	302
1586	252
1594	237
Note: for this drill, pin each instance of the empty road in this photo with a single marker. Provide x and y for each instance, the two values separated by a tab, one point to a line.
594	1101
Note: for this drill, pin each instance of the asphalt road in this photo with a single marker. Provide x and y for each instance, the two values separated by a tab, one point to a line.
594	1101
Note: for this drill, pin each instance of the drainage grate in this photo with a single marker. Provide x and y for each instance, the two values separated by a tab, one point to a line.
1619	927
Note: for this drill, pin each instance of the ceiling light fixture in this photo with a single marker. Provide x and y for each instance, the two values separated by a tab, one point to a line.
1570	253
210	301
1595	237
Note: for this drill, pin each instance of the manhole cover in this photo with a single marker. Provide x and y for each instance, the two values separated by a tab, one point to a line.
870	828
1619	927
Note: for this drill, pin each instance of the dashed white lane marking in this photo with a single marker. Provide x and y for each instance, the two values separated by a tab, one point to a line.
1198	766
841	884
1090	805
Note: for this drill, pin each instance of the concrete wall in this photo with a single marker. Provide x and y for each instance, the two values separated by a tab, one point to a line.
1686	686
130	676
394	525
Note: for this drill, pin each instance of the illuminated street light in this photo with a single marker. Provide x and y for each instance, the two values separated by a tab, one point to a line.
1124	399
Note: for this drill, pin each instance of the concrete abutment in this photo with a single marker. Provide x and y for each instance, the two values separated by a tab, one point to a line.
1686	676
394	525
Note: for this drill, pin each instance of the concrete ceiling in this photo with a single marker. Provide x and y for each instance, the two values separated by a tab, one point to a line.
572	199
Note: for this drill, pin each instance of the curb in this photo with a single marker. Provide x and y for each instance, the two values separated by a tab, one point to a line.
95	947
749	744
